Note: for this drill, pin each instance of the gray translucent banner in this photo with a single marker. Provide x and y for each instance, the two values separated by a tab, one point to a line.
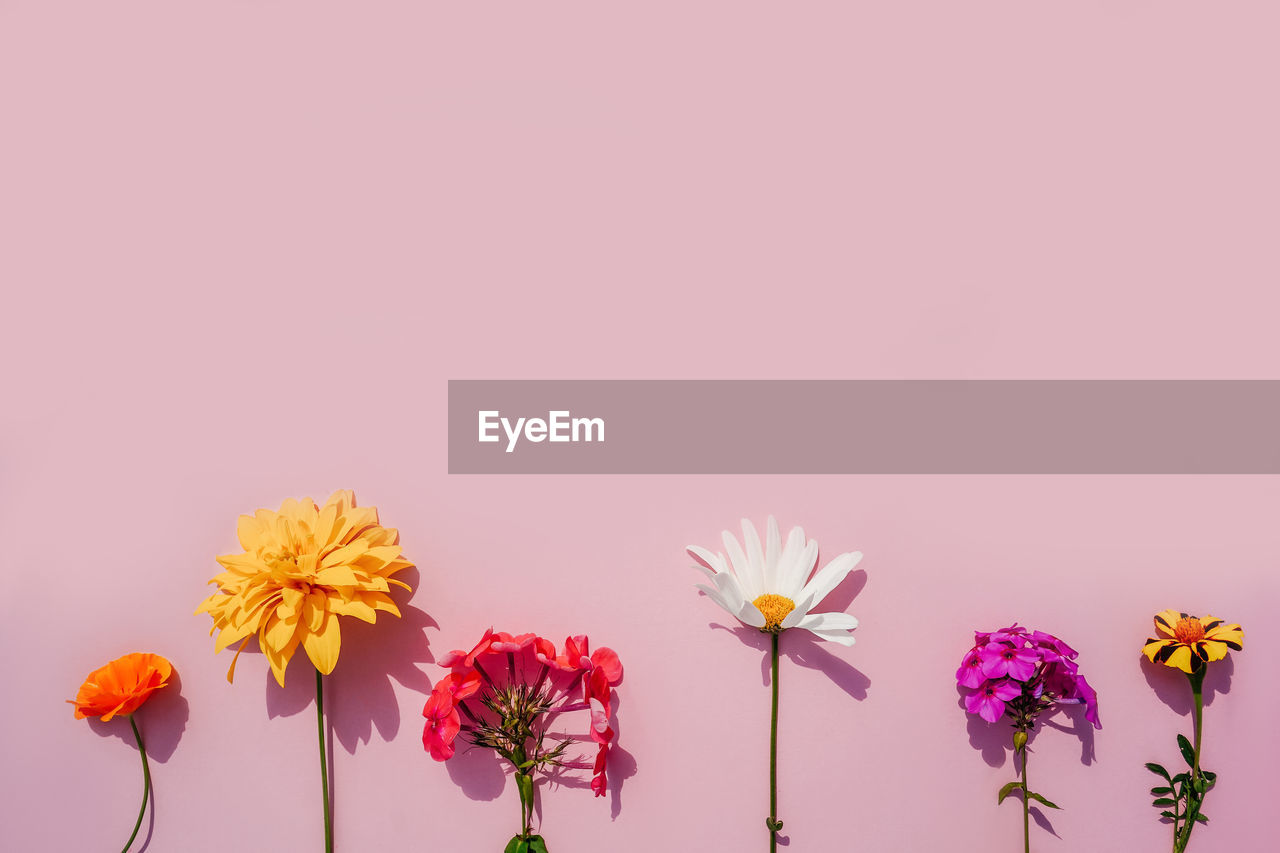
864	427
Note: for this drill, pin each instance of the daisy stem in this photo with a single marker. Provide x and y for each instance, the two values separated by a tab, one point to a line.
146	783
324	764
773	823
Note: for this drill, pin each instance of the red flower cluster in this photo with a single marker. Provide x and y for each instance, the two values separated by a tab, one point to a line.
532	685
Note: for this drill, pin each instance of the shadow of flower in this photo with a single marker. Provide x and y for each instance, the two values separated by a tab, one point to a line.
162	720
359	695
1170	684
478	772
995	740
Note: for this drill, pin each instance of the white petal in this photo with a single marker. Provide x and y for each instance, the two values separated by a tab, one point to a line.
751	615
772	551
829	577
729	588
792	585
713	561
791	552
741	566
710	573
755	554
718	599
792	618
825	622
836	637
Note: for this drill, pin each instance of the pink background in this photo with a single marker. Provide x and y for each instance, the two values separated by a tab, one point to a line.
245	243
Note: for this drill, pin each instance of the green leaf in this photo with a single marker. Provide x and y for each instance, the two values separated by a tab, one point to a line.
1201	819
1007	790
1158	770
1187	752
515	845
537	845
1163	801
1042	800
1212	777
1155	792
1170	815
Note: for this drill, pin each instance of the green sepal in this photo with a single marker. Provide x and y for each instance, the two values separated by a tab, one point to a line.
1007	790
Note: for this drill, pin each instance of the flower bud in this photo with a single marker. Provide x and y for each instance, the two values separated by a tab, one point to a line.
1019	741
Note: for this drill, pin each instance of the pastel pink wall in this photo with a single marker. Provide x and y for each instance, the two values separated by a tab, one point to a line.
245	244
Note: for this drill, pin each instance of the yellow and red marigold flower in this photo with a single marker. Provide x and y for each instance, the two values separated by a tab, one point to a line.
301	569
1189	642
120	687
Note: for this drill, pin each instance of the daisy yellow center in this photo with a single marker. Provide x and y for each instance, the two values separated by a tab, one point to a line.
1189	630
774	608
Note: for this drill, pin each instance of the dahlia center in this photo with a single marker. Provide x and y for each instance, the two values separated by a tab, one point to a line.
774	608
1189	630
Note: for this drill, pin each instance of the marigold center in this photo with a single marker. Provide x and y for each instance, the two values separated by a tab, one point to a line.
774	608
1189	630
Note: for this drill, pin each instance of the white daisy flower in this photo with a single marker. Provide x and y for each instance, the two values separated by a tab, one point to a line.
768	587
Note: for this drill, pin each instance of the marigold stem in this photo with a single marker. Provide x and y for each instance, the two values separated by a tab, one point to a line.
146	784
324	764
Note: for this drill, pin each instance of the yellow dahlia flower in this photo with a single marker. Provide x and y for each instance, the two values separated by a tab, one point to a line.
301	569
1189	642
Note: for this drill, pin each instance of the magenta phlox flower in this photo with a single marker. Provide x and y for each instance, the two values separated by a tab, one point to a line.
970	672
1001	659
1022	673
989	700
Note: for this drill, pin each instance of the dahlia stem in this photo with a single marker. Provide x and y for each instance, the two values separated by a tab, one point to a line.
1026	804
146	784
324	764
773	823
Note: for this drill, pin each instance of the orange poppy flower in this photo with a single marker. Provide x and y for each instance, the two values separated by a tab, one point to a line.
121	686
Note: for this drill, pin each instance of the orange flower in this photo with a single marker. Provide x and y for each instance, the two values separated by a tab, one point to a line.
121	686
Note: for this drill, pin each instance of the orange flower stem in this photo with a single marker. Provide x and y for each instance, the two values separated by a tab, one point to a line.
324	764
146	784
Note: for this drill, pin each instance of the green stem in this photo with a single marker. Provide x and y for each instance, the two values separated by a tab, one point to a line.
1194	797
324	764
146	783
773	822
1026	804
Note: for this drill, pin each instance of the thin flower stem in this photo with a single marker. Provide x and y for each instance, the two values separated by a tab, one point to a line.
324	764
1026	804
146	784
773	749
1182	837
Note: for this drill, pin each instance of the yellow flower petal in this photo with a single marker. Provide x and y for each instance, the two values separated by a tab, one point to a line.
1181	658
302	568
322	646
